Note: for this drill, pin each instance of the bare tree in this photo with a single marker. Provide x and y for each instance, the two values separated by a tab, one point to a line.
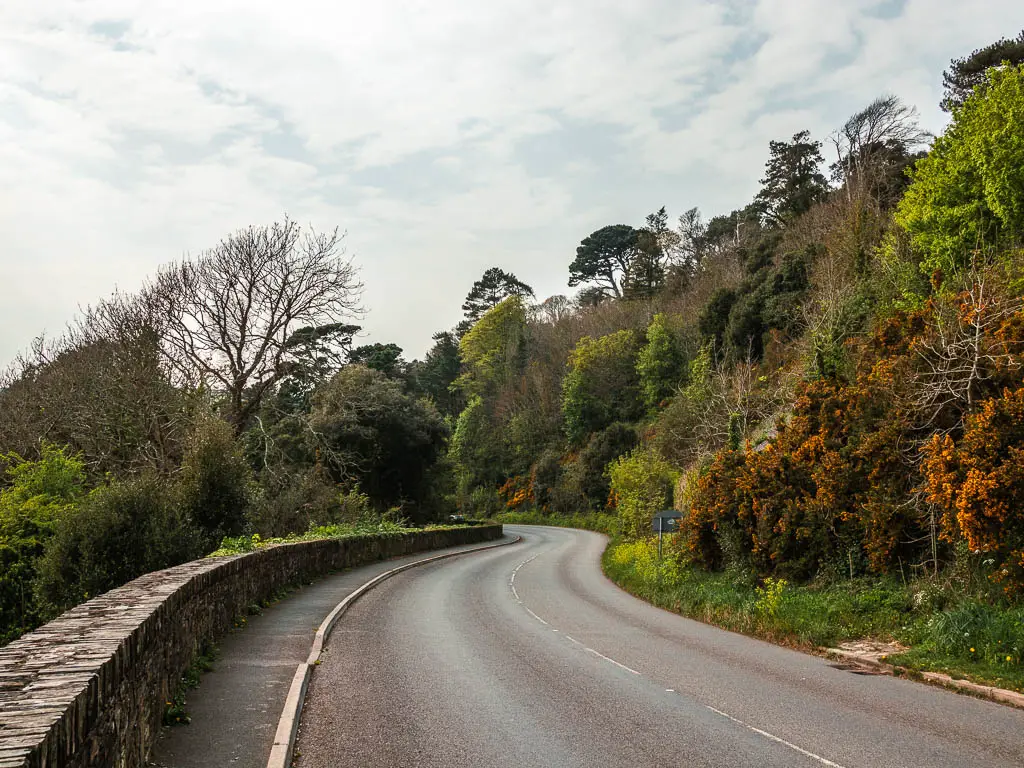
871	142
960	352
229	317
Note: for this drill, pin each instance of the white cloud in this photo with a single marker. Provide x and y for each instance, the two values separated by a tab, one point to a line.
131	133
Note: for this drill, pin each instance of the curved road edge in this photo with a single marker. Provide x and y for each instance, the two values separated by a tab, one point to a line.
288	724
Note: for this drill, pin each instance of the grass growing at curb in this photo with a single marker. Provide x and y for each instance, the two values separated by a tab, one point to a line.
945	629
242	544
175	712
970	639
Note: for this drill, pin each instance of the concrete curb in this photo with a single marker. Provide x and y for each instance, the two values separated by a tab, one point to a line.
998	695
288	725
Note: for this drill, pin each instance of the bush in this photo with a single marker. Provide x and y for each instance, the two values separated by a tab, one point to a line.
215	483
602	385
979	482
117	533
641	485
41	493
306	500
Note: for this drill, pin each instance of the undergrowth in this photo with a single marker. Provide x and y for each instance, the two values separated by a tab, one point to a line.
945	630
175	712
369	526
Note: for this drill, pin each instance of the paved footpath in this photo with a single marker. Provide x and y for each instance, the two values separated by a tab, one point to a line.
236	707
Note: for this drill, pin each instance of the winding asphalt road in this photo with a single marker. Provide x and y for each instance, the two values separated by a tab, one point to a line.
526	655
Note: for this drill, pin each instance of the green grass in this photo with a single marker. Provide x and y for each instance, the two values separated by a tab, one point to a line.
175	712
242	544
966	638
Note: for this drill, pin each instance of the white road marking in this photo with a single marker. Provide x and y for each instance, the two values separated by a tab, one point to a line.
765	734
611	661
775	738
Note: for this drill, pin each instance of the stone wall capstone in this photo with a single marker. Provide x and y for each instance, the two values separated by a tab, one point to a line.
88	690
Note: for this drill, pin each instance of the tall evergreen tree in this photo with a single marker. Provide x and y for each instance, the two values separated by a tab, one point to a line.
495	286
793	180
967	73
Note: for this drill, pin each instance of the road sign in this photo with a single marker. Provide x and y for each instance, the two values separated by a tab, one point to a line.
666	521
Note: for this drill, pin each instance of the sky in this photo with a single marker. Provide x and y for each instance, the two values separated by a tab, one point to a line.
444	136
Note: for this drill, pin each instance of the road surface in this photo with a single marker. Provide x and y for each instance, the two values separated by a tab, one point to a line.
527	655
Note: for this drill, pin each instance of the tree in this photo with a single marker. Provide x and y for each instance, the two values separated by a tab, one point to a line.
659	364
434	375
374	434
793	180
875	147
215	483
606	258
37	496
493	351
228	316
108	396
386	358
495	286
601	386
655	245
966	74
966	198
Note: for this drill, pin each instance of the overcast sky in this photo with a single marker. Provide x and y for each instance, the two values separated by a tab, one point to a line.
445	136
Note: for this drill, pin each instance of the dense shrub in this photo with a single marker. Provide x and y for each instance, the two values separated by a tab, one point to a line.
41	493
978	483
215	482
642	483
118	532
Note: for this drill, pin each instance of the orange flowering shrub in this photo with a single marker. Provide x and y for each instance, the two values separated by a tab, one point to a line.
837	487
978	482
517	491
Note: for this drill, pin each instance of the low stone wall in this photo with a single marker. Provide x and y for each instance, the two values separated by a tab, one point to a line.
89	688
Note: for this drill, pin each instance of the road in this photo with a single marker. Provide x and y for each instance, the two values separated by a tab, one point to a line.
527	655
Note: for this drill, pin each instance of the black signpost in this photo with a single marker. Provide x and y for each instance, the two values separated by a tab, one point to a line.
666	521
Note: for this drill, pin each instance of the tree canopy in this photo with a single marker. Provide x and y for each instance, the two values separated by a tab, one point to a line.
606	259
965	74
495	286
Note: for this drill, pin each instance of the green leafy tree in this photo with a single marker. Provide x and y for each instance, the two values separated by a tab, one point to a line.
215	482
371	432
966	74
386	358
494	287
434	375
641	485
659	364
39	495
966	197
493	350
602	385
607	259
476	449
793	180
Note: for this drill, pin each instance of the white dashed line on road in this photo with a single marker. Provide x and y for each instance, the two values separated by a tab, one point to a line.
737	721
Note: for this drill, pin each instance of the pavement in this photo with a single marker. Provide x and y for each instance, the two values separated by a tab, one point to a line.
528	656
236	708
